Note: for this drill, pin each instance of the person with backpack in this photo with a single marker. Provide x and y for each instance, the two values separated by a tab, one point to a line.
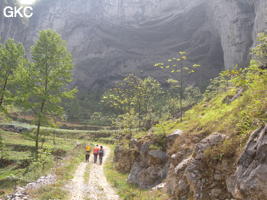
87	152
95	152
101	154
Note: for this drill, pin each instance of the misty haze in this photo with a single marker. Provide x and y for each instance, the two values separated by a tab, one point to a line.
169	94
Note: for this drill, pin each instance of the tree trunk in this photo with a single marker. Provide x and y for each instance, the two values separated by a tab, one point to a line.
181	94
37	138
139	115
3	91
38	130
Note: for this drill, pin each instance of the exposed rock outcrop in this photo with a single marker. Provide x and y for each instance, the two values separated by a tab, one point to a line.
111	38
208	172
124	158
192	177
150	170
145	159
249	182
14	128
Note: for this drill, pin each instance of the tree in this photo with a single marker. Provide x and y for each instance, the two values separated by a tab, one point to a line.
122	96
259	52
178	65
137	98
11	57
149	97
46	79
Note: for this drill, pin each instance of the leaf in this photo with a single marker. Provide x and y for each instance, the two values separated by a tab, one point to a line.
182	53
184	57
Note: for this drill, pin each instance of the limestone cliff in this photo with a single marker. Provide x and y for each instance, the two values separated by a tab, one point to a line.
110	38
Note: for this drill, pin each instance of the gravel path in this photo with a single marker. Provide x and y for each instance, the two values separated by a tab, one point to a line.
78	187
97	187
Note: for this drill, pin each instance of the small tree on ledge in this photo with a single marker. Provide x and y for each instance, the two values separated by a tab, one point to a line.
178	65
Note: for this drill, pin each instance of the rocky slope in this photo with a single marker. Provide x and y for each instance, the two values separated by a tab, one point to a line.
194	170
110	38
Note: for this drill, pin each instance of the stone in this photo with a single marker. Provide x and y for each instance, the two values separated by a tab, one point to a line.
148	177
159	186
189	177
206	143
249	182
157	157
216	192
182	165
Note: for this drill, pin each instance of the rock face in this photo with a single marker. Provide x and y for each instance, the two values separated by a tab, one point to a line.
191	178
150	170
147	166
123	36
249	181
124	158
206	172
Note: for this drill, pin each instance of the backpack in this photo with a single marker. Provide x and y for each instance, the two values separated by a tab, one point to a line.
88	148
101	152
96	150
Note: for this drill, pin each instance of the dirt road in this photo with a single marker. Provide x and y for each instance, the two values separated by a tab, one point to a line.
97	187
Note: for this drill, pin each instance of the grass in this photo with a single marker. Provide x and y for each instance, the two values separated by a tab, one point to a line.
127	191
239	117
102	135
64	174
17	165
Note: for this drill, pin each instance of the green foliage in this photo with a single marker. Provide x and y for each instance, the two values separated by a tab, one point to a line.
244	113
2	149
43	83
227	149
137	102
37	167
259	53
18	166
178	65
122	97
64	173
11	57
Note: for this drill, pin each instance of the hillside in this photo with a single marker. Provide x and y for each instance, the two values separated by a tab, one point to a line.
134	100
216	152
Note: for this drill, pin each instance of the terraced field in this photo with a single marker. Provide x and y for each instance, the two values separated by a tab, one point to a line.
17	166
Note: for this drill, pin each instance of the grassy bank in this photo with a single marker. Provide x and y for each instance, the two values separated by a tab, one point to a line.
104	135
64	174
127	191
17	166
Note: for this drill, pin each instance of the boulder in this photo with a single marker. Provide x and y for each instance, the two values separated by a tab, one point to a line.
197	173
249	182
157	157
172	137
191	178
147	177
124	158
134	143
206	143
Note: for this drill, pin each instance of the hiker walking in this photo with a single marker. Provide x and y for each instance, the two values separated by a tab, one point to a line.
87	152
101	154
96	151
